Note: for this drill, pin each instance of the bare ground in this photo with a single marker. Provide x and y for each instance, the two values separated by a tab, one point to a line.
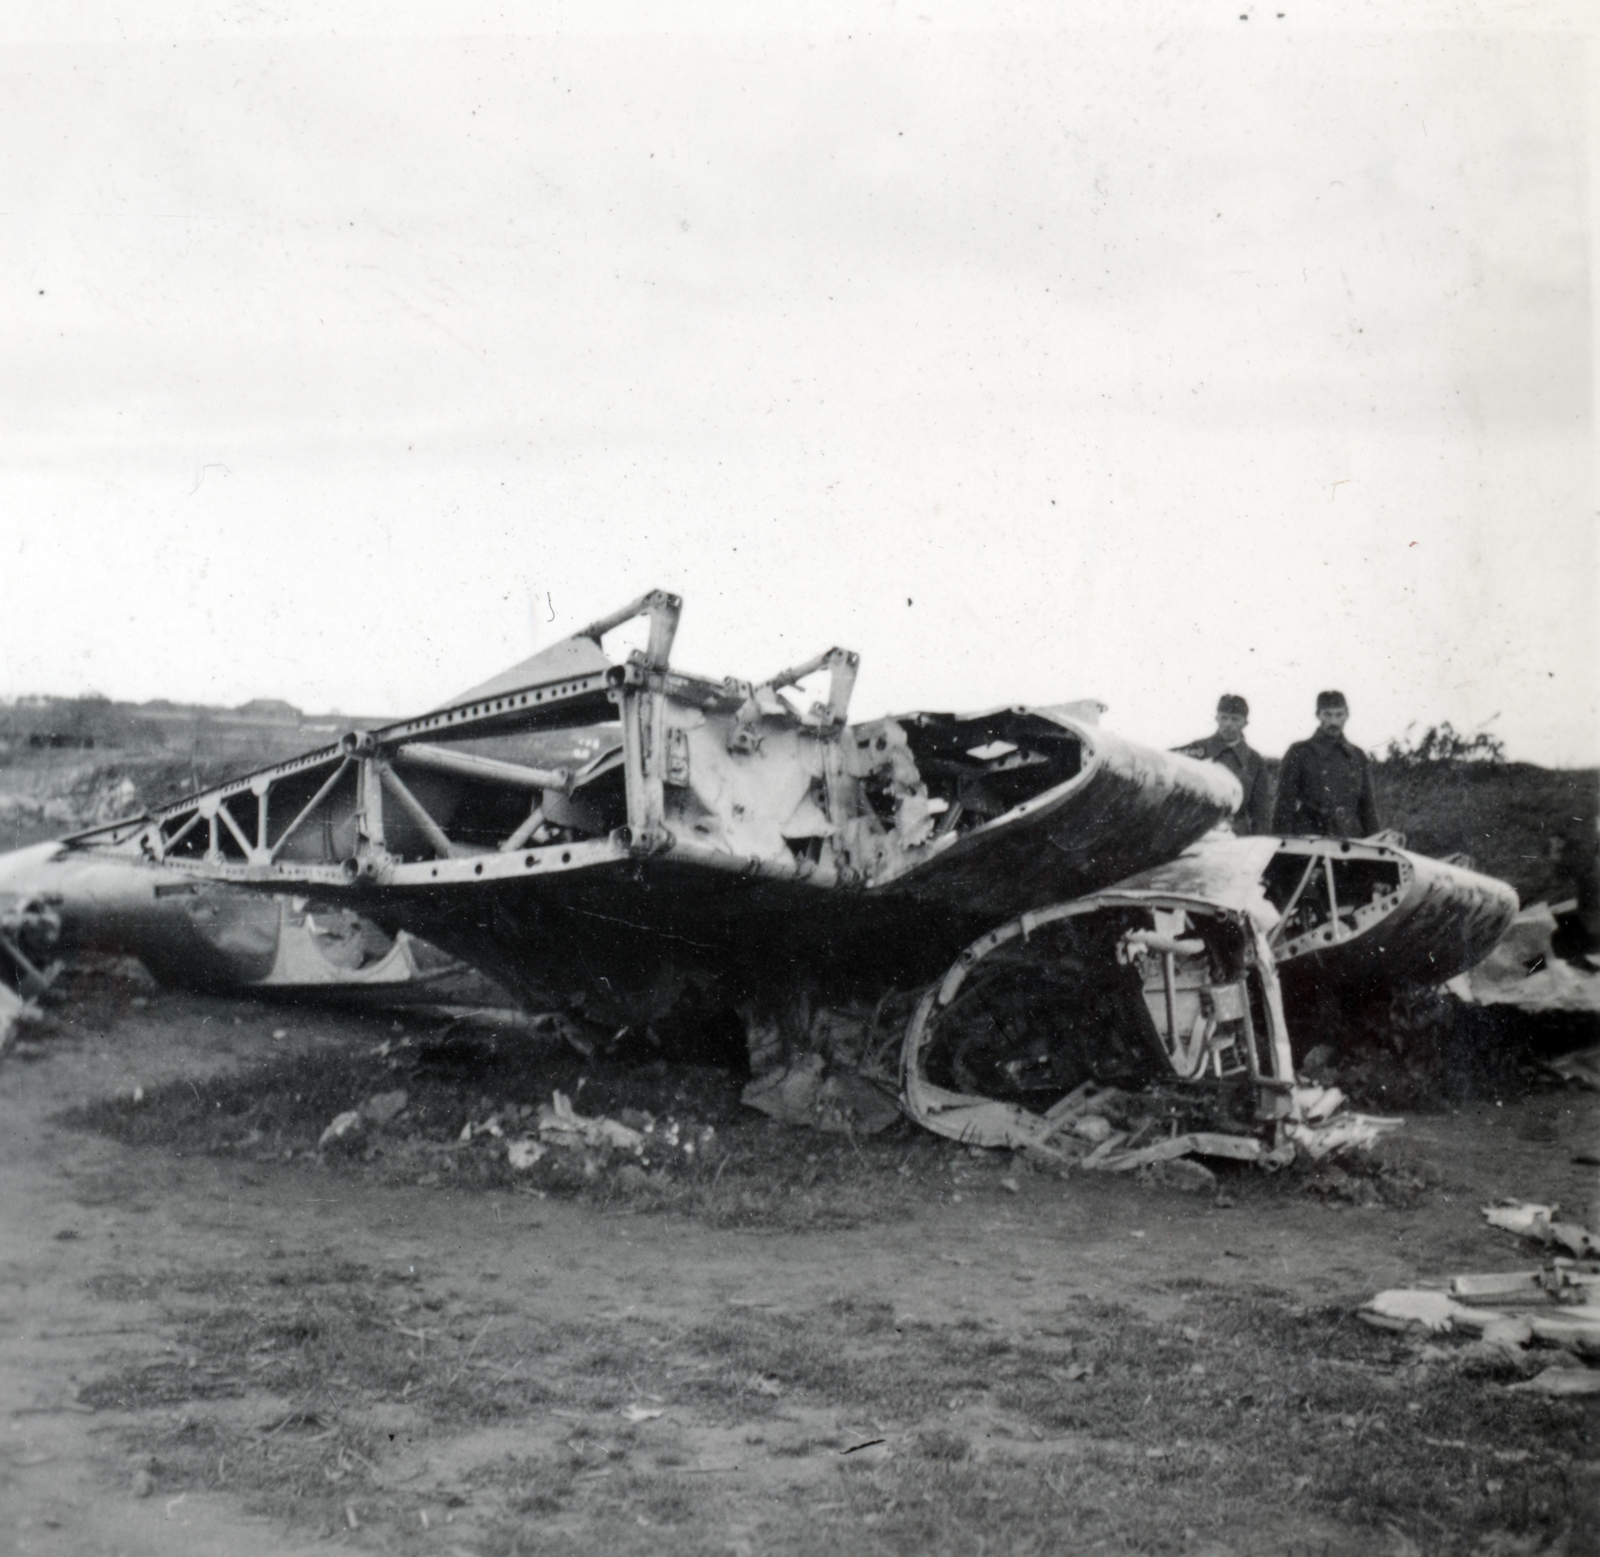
216	1341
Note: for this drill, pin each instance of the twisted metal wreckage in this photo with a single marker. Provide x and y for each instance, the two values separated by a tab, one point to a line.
644	847
58	903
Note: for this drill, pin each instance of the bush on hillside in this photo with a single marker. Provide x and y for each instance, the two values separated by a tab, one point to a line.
1443	745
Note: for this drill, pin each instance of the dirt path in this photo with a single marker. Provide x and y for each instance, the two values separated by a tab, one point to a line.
94	1233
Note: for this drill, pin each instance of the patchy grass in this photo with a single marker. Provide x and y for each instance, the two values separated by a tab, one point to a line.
729	1166
309	1396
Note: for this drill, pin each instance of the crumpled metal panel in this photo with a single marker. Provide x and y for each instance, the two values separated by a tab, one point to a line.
1231	1022
1128	807
200	934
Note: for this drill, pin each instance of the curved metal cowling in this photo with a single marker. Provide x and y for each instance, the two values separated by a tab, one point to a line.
1443	920
1261	1054
1127	807
1418	919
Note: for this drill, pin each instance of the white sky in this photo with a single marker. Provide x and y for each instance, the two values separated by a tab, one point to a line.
347	360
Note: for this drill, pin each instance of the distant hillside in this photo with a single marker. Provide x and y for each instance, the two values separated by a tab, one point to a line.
98	724
1531	826
68	763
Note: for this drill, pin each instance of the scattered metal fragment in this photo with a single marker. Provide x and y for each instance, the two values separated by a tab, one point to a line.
840	1104
384	1108
1581	1066
14	1011
61	903
1538	1222
1562	1381
559	1125
1525	971
344	1133
1342	1132
1536	1314
1518	1216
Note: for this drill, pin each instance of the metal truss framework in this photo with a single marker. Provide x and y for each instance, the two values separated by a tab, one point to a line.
365	809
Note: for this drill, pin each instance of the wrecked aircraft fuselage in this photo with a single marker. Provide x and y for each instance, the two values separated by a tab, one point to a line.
1181	972
715	845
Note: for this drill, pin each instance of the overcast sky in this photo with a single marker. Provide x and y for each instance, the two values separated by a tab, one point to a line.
346	359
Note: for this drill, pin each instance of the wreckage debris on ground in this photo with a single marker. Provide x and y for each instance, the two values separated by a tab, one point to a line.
1542	1324
1525	970
1581	1067
1539	1222
14	1011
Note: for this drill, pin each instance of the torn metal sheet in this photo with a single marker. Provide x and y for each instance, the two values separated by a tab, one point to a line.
194	933
1530	1220
838	1104
1582	1067
1320	1139
1532	1311
30	933
1133	984
710	844
1525	971
1193	1143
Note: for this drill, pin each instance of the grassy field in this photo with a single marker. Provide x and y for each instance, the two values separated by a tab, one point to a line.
400	1403
1106	1428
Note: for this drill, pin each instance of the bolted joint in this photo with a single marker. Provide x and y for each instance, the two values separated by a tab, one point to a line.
371	867
643	841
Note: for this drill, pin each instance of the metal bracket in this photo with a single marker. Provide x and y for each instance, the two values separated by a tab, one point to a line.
662	609
842	665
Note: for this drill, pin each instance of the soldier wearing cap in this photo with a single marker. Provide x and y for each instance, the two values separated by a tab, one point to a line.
1325	784
1228	747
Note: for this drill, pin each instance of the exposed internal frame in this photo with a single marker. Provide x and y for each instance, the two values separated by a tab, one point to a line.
609	761
1329	892
1119	987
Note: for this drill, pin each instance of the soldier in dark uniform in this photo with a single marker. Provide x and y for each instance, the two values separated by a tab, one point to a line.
1228	747
1325	784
